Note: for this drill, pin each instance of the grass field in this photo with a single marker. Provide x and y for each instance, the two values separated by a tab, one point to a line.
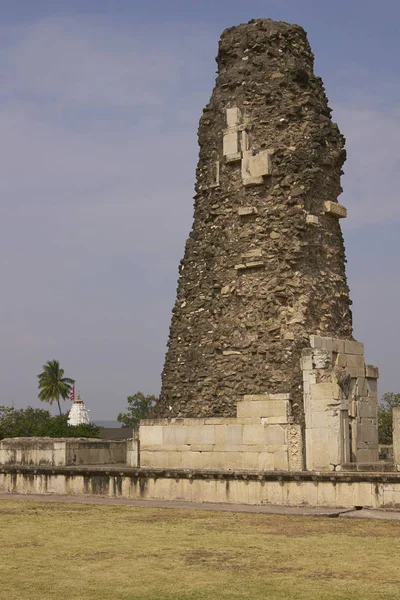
90	552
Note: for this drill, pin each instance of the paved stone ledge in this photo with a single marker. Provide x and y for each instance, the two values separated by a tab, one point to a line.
135	472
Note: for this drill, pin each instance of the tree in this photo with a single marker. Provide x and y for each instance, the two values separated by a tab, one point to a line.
139	407
36	422
53	385
385	416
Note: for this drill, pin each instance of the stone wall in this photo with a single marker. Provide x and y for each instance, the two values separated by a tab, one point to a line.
375	490
61	451
262	437
341	404
264	263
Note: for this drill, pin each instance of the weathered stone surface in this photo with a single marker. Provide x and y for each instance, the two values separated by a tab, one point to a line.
340	404
270	115
335	209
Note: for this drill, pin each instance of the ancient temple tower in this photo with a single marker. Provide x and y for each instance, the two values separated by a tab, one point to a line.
264	265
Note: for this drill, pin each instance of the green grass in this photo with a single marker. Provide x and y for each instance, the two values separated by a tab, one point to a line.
90	552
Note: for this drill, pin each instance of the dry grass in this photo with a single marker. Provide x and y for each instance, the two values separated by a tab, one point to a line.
89	552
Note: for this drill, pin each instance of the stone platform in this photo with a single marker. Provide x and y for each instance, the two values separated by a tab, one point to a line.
275	488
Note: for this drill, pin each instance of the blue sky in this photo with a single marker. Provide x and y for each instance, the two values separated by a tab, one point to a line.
99	107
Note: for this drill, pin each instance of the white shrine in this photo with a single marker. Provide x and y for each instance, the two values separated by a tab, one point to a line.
79	414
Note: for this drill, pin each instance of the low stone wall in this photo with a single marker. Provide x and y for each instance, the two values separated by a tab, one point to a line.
61	451
261	437
374	490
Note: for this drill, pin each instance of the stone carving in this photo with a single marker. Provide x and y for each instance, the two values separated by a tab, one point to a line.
264	263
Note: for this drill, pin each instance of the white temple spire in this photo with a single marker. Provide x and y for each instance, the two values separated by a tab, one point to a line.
79	414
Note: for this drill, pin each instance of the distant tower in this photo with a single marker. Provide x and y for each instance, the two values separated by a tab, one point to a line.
78	415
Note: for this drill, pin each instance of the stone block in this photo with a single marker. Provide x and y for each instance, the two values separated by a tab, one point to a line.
312	220
338	345
220	435
252	254
321	359
362	389
168	435
306	364
225	447
220	421
367	456
251	408
279	396
248	420
150	435
353	408
234	434
255	167
335	209
355	361
295	447
229	158
279	420
255	397
230	143
254	434
233	116
281	462
191	421
321	391
151	422
371	372
155	460
213	176
278	408
372	387
249	265
367	430
321	419
367	409
352	347
265	461
320	342
250	462
275	435
355	372
245	211
201	434
192	460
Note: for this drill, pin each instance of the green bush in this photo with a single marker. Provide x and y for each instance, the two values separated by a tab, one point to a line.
385	417
36	422
139	407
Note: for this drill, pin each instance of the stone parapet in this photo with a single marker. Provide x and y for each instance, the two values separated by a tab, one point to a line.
262	437
61	451
373	490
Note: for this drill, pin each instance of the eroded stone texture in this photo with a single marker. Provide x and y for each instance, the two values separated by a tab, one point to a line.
264	263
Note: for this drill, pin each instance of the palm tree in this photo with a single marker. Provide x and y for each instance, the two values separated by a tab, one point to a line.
52	383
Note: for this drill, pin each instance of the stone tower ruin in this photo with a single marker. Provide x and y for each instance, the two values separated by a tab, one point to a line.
262	285
264	265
